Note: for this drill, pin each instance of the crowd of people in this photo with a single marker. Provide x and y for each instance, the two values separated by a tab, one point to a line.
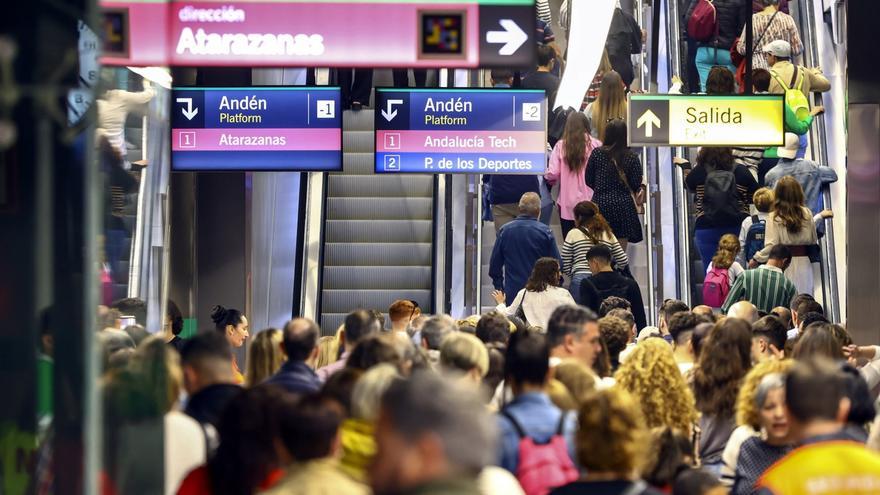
564	388
769	402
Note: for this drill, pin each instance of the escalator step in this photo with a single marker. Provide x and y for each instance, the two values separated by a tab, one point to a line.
358	141
344	301
362	120
379	231
369	277
360	254
377	186
358	163
380	208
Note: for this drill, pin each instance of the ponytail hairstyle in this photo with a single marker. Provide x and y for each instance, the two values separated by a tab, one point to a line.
788	204
223	317
728	248
576	141
588	218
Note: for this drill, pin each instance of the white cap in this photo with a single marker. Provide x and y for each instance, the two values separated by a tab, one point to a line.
778	48
792	143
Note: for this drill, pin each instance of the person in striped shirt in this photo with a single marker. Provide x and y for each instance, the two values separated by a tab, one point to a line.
766	287
591	229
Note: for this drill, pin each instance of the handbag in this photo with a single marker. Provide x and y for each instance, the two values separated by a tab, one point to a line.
638	197
520	312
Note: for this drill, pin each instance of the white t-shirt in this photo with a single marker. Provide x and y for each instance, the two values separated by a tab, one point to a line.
184	449
538	306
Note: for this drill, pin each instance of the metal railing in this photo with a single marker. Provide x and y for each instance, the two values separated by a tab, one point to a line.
680	194
649	178
819	151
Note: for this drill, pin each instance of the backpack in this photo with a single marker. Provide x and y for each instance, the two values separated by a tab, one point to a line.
754	237
543	467
716	286
556	126
795	98
703	23
720	199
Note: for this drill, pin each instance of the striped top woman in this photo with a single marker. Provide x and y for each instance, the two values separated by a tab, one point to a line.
591	229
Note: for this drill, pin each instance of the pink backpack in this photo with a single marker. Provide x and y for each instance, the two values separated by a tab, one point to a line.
716	286
543	467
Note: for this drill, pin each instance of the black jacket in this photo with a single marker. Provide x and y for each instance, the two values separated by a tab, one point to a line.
624	39
731	15
603	285
207	405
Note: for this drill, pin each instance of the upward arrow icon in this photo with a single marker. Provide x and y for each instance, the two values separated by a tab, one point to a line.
648	119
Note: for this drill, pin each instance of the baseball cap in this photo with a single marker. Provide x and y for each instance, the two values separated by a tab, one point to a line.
778	48
792	142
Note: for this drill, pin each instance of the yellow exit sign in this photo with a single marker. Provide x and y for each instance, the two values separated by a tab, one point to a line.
702	120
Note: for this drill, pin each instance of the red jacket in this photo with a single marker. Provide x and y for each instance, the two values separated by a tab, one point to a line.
197	482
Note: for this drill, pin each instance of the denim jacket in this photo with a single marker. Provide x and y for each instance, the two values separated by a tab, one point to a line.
809	174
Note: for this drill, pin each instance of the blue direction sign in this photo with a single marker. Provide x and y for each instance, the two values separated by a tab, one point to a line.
279	128
476	131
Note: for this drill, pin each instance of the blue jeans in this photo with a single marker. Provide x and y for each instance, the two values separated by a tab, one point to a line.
707	242
546	214
802	146
575	287
708	57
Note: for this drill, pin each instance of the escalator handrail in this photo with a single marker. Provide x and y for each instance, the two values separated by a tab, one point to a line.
830	289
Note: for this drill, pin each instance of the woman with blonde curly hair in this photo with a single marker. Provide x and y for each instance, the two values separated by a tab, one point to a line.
651	375
748	413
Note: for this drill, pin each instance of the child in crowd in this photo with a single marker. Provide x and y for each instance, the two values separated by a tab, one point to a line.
751	234
722	272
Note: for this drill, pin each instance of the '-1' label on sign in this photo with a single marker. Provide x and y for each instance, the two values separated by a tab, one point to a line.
703	120
487	131
269	129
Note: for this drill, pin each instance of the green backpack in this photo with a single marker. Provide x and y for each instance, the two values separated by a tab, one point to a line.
795	98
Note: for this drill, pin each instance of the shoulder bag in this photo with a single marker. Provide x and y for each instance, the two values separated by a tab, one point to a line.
637	197
520	311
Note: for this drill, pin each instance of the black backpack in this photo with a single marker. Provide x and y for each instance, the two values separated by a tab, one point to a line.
720	199
556	126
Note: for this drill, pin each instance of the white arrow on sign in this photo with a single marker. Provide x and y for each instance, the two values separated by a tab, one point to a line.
513	37
648	119
391	113
189	112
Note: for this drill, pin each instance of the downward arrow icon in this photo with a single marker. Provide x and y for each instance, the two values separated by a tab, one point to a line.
391	113
189	112
648	119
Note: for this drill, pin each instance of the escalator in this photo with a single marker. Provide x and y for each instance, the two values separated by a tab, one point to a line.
378	232
688	260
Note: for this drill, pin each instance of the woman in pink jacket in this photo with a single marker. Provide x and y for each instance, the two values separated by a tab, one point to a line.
568	163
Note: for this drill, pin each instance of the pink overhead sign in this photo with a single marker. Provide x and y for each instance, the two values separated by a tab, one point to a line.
353	33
